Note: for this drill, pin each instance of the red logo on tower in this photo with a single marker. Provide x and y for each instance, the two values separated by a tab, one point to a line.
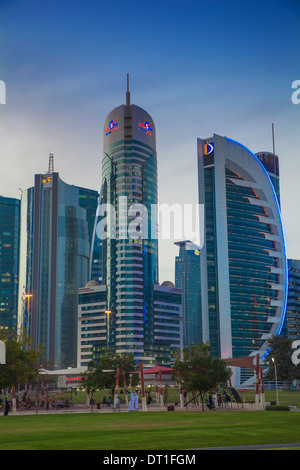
146	127
113	126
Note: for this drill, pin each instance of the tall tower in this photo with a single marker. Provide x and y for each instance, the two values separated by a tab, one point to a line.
130	249
9	261
56	228
243	260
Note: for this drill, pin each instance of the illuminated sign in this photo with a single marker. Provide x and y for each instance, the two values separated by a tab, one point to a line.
197	252
146	127
113	126
208	148
48	179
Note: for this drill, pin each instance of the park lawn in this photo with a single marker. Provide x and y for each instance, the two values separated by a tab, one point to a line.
180	430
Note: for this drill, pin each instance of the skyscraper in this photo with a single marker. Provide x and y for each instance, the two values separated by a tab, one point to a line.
56	229
187	279
130	248
9	261
130	262
293	304
243	260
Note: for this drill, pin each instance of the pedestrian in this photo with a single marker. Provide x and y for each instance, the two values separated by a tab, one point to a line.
6	408
136	402
131	403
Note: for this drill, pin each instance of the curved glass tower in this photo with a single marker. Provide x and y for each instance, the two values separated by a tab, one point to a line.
243	260
130	251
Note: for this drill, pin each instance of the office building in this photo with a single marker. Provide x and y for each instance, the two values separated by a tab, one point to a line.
243	260
292	324
93	323
57	222
9	261
187	279
129	245
168	323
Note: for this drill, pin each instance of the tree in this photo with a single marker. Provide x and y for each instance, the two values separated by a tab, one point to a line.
281	351
21	361
199	371
102	374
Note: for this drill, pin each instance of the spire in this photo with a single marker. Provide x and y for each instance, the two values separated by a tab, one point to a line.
128	92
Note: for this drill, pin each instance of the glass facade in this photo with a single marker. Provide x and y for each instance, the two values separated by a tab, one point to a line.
292	324
93	323
187	279
168	323
9	261
243	260
130	249
130	257
56	239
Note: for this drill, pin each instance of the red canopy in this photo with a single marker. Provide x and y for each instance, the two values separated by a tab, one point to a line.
157	370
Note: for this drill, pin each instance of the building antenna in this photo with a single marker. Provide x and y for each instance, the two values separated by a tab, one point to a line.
51	163
128	92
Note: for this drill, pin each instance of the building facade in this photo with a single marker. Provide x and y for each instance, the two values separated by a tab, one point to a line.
9	261
93	323
243	260
129	230
187	279
292	324
56	227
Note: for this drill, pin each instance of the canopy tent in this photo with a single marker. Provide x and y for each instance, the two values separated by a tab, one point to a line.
246	362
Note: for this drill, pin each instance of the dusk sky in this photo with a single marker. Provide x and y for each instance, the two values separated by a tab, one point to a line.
198	67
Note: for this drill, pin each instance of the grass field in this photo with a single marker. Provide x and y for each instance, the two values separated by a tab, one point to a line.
147	431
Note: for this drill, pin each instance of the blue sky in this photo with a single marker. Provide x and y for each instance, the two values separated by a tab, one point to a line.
197	66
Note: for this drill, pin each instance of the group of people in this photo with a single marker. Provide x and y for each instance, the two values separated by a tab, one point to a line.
134	402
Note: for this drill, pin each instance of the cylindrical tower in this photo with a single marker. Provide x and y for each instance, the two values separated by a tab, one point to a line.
130	249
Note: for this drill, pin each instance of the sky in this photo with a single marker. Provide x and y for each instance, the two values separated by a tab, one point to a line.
198	67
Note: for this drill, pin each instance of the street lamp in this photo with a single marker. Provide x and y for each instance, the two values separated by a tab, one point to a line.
277	399
28	297
108	312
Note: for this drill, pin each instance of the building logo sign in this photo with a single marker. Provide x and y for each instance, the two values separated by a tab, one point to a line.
146	127
113	126
208	148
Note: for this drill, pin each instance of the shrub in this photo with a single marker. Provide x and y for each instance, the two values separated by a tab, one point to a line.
277	408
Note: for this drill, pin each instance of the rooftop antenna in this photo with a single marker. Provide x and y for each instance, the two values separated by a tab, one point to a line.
128	92
51	163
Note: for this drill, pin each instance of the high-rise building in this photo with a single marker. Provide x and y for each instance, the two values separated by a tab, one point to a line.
292	326
9	261
56	228
187	279
93	323
130	248
243	260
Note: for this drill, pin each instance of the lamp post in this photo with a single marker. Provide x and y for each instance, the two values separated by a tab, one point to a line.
28	297
108	312
275	369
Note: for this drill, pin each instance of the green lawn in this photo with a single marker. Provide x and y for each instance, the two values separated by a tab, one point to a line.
177	430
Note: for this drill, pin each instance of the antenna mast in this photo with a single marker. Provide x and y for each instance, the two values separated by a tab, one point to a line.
128	92
51	163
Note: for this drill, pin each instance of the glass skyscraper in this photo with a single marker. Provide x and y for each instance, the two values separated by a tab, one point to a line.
130	247
292	326
243	260
187	279
9	261
56	229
